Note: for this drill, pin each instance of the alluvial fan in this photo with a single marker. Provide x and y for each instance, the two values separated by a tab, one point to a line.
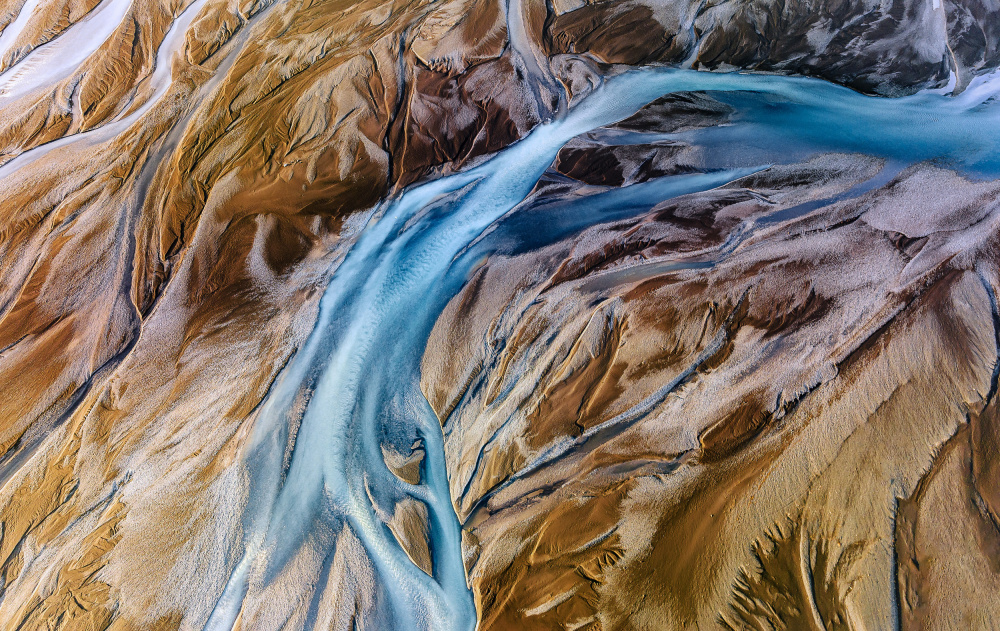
468	315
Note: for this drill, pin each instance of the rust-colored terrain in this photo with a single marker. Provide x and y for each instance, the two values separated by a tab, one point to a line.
734	408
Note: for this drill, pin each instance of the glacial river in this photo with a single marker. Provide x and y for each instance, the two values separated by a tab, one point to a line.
355	383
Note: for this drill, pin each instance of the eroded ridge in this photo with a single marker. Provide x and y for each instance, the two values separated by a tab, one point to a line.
728	362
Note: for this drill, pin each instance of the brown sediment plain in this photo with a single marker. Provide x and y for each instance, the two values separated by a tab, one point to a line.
640	434
750	445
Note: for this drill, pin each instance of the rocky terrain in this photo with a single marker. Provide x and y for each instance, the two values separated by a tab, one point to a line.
766	405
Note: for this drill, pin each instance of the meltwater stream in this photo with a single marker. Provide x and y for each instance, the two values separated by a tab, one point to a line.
355	383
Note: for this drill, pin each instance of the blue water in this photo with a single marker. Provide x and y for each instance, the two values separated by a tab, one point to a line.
357	376
787	119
